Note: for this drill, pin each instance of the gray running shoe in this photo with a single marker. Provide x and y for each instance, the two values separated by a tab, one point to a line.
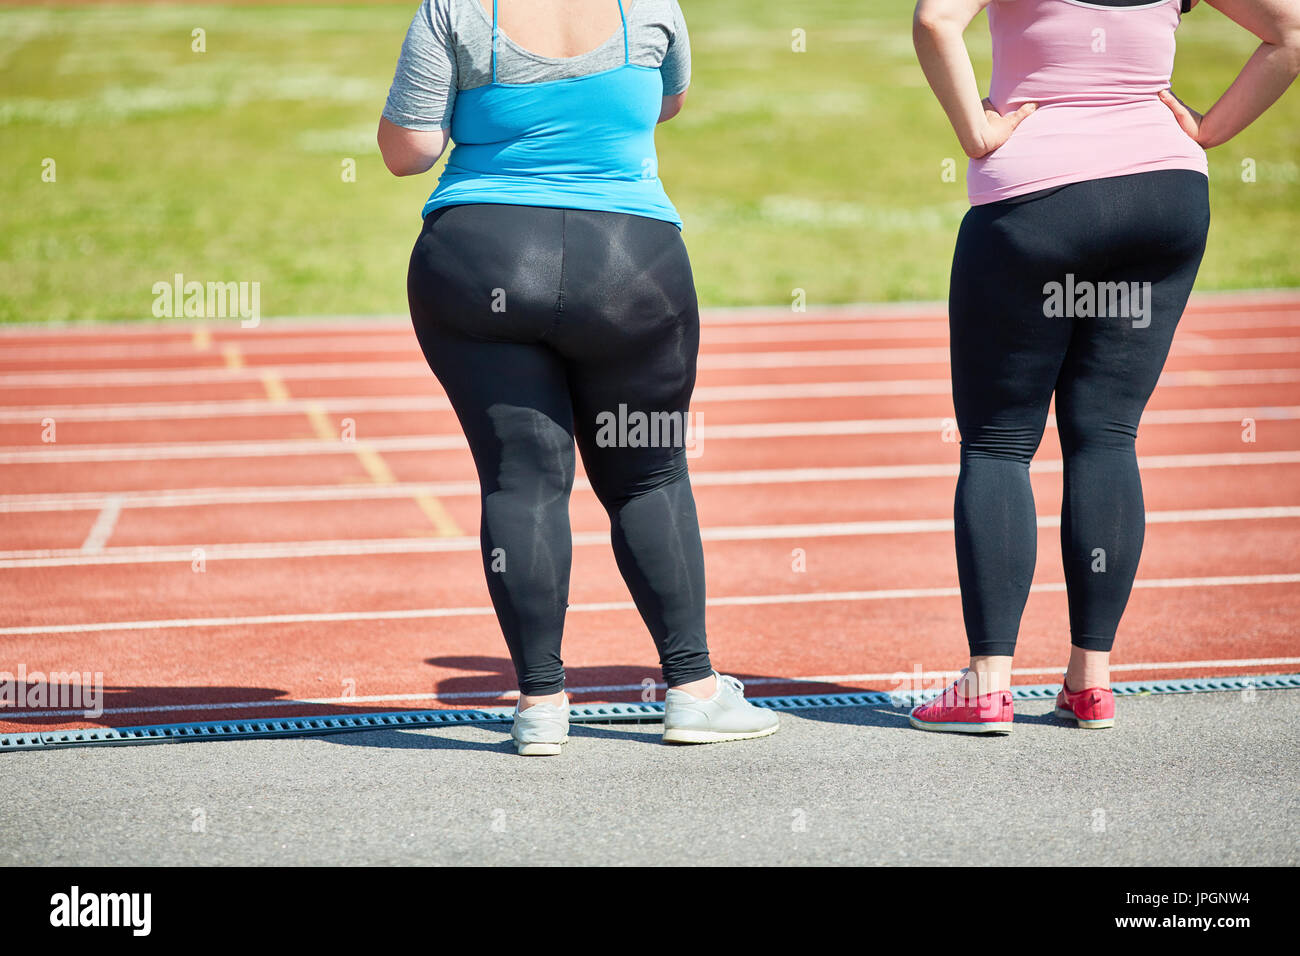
540	730
724	716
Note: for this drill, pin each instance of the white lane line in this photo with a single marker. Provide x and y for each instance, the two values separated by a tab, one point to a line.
950	469
1191	378
1202	345
359	547
402	340
288	325
273	448
415	368
231	408
1202	305
401	344
743	600
187	497
280	494
1036	671
823	358
939	354
320	371
276	447
902	680
104	524
703	395
257	346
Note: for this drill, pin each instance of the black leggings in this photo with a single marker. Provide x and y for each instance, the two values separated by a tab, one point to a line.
1012	350
540	323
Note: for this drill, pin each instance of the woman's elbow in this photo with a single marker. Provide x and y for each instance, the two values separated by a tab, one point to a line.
926	20
392	162
402	165
399	160
1291	45
934	17
409	152
671	106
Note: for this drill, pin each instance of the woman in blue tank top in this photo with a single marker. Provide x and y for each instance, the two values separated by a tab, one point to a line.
552	296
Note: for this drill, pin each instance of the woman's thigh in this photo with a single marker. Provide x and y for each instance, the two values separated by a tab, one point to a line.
629	334
483	284
1006	351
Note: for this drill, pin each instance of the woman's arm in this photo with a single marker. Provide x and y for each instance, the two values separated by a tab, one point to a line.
414	125
937	28
675	69
1265	77
408	152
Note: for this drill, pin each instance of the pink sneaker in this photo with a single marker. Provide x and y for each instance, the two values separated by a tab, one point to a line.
955	712
1092	708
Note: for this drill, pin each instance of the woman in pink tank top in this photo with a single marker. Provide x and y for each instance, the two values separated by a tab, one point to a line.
1095	74
1088	185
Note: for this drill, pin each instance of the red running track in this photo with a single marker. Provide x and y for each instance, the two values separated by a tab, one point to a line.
184	520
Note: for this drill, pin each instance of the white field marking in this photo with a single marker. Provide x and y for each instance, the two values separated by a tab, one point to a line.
1202	305
320	371
739	360
1192	378
229	408
741	600
1205	304
1201	345
703	395
276	447
289	324
866	312
280	494
104	524
238	370
930	355
512	693
817	331
357	547
1025	671
189	497
401	340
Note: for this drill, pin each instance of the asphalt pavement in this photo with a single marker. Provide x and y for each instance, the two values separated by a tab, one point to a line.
1188	779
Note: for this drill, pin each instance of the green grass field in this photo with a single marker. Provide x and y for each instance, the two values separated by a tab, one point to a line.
817	170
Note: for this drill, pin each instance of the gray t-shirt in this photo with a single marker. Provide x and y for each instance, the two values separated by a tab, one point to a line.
449	48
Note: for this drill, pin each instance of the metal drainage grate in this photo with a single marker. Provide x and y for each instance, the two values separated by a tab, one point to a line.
580	713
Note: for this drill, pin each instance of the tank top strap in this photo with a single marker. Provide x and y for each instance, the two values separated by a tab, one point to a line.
622	16
494	41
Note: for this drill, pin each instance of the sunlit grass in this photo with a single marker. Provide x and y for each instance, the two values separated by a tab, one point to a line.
817	170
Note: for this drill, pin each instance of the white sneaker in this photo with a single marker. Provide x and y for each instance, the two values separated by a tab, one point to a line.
541	730
724	716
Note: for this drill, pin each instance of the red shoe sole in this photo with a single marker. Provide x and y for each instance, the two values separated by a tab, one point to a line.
963	727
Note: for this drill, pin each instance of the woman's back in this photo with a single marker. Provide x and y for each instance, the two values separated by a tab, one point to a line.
1095	70
532	124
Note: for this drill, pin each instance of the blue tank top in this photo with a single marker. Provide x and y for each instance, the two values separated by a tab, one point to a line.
586	142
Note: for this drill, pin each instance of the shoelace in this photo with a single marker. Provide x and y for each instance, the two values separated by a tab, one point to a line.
732	682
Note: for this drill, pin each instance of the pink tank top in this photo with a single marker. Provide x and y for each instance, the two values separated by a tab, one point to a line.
1095	72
